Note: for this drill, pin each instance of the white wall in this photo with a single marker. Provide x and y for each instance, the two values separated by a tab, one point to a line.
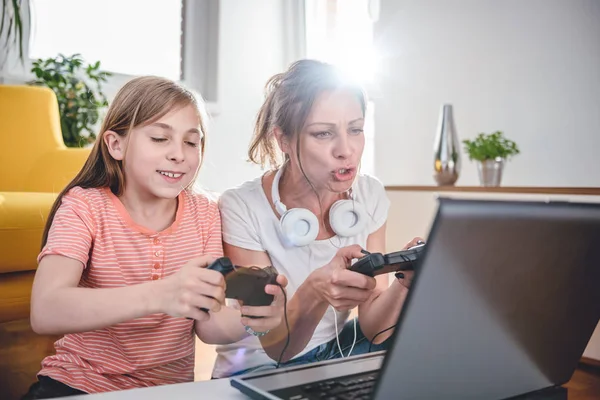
251	49
530	68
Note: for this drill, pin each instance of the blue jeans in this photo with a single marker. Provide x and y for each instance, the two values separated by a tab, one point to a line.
329	350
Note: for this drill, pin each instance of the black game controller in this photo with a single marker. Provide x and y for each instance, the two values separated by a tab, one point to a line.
246	283
374	264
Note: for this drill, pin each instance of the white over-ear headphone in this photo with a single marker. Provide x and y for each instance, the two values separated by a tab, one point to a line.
301	227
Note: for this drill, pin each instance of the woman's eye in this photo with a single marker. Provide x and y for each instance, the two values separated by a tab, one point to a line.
357	131
158	140
322	134
192	144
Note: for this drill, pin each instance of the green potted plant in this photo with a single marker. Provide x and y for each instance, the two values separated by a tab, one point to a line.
490	151
78	88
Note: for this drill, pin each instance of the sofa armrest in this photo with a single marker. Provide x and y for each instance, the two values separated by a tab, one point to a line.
15	295
55	169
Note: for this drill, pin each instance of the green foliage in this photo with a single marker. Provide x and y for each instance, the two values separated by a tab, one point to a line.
490	146
78	89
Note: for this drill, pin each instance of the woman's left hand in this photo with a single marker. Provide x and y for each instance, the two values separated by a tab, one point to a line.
272	315
414	242
408	275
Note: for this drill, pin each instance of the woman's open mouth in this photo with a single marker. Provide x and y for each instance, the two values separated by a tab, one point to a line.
344	174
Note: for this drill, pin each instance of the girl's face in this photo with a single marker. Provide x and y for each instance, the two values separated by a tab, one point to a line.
332	141
162	158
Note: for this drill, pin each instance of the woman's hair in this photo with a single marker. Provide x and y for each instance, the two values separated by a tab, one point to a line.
140	102
289	97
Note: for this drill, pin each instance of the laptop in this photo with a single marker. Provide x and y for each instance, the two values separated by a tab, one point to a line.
504	302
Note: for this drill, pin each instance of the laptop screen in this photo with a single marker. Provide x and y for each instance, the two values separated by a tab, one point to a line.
505	301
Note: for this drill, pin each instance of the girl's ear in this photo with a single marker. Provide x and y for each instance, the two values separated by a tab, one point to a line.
115	144
282	140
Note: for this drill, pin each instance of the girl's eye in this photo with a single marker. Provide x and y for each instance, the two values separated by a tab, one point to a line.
158	140
193	144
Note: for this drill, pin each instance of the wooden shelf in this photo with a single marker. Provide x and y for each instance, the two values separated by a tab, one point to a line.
592	191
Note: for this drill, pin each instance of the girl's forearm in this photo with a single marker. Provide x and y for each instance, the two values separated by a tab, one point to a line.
75	309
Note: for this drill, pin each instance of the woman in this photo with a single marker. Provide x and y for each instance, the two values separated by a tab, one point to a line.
309	218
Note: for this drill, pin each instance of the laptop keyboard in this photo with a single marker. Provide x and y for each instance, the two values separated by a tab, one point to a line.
354	387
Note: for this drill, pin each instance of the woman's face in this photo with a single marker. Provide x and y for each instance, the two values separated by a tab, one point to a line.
331	142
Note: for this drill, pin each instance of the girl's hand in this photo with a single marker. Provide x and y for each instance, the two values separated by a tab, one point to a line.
193	288
338	286
272	315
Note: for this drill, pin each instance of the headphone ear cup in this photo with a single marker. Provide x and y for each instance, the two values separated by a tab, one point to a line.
347	217
299	226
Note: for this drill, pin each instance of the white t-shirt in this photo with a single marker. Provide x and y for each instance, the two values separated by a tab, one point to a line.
249	222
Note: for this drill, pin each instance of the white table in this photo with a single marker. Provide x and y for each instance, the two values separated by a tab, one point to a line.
214	389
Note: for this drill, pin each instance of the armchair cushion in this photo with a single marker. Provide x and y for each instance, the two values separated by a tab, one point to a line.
22	220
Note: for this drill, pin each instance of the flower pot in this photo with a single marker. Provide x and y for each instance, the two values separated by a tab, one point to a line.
490	172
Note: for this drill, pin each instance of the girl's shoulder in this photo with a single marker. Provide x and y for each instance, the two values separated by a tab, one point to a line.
200	203
92	198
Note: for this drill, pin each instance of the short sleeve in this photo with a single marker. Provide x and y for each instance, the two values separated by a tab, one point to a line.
71	233
238	229
379	203
214	241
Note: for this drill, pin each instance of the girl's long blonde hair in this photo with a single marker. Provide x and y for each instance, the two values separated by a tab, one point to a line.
141	101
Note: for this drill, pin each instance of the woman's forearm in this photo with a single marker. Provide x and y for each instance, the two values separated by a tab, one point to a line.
382	311
304	312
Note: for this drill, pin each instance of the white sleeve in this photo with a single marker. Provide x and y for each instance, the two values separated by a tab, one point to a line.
237	225
377	202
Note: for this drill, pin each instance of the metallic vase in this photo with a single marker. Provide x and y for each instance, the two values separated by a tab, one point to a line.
490	172
446	151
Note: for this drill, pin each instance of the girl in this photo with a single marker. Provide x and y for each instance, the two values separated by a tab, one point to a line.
286	218
121	271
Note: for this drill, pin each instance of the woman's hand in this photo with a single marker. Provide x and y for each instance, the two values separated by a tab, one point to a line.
272	315
405	277
193	287
416	241
340	287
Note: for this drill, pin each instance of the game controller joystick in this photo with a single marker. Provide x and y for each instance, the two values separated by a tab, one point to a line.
374	264
246	283
222	265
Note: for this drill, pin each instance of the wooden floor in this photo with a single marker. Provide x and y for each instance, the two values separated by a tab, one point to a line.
21	352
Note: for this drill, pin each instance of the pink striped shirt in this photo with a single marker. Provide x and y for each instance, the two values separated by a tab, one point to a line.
92	226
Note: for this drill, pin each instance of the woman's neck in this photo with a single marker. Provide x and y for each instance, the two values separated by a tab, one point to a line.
149	211
295	191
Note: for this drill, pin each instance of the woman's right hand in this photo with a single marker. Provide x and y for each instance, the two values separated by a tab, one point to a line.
340	287
191	288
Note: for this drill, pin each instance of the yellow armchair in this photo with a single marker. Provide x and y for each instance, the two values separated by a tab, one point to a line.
36	166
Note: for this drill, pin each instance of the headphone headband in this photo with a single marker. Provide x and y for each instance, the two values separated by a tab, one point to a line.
279	206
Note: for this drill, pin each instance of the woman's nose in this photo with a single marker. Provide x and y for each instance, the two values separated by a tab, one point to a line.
343	147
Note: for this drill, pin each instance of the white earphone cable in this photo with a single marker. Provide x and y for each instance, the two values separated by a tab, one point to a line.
337	335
